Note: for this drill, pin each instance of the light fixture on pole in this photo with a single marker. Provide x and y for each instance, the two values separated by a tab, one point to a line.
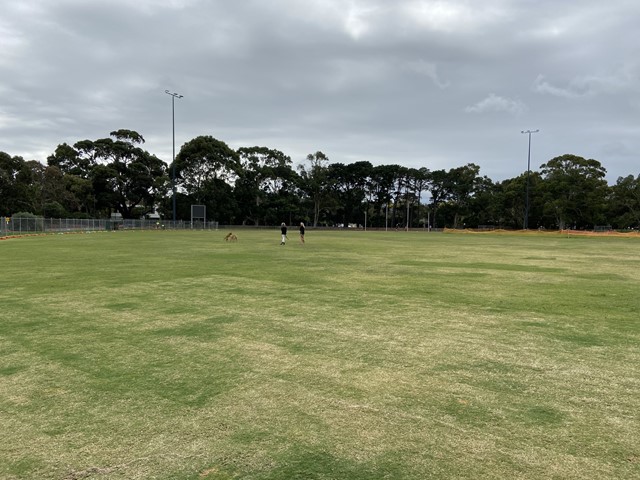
526	200
173	163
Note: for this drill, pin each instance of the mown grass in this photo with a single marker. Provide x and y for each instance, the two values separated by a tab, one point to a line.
175	355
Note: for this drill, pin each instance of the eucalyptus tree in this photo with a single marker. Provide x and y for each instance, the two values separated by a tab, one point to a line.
452	193
405	196
68	180
462	183
6	182
417	182
32	178
438	181
45	190
122	176
509	201
77	160
206	170
484	206
16	180
313	181
575	191
66	194
624	202
204	161
125	177
349	184
265	185
510	197
381	188
400	195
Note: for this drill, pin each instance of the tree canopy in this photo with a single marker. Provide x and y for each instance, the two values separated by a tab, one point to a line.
259	185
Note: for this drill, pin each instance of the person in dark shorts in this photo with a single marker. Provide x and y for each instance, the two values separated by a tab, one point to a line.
283	231
302	232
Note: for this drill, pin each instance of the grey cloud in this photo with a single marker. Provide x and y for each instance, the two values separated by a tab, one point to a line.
610	83
405	82
495	103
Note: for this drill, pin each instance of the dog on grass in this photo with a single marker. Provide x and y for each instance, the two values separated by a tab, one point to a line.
230	237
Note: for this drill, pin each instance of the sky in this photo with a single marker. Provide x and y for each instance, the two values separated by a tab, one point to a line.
420	83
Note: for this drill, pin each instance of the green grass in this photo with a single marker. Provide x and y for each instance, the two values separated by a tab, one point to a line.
377	355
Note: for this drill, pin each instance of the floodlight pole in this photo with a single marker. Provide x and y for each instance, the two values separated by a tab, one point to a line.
526	201
173	162
386	216
407	192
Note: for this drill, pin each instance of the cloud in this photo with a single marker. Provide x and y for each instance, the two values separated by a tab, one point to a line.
624	79
366	79
452	15
429	70
544	87
495	103
358	20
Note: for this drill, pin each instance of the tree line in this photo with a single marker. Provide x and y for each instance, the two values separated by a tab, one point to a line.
261	186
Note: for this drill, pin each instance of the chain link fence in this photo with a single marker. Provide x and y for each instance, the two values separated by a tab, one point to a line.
21	226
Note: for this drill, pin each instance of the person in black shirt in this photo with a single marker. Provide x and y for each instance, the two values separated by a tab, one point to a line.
302	232
283	231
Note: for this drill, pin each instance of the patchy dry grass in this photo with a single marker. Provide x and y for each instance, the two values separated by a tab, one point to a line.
136	355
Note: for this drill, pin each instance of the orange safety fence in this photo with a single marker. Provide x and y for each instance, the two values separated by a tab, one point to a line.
566	232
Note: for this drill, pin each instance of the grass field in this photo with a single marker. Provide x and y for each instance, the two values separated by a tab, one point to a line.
377	355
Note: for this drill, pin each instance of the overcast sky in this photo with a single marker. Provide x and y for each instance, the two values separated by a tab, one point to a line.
421	83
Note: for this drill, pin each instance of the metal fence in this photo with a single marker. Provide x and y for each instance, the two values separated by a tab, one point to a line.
20	226
38	225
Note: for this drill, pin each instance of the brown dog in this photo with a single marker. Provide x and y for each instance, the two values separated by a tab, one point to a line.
230	237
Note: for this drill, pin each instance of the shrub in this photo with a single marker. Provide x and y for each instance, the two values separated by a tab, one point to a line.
55	210
26	222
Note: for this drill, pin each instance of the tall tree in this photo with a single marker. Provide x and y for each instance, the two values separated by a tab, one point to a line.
349	183
575	191
440	192
381	187
624	203
463	182
125	177
419	182
483	206
16	185
313	178
400	196
201	162
77	160
509	201
263	175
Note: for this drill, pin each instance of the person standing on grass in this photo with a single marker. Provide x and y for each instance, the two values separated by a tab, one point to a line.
283	231
302	232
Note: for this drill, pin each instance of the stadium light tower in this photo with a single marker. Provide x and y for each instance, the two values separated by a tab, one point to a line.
173	163
526	200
